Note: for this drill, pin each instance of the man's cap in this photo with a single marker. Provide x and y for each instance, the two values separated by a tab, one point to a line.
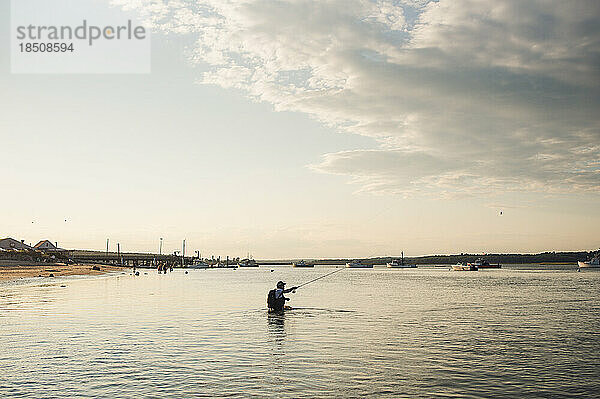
280	283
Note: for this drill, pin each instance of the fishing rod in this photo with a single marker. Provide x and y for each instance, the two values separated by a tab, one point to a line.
318	278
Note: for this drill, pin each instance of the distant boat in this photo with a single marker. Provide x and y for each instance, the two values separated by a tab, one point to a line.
594	262
247	263
356	264
464	267
199	265
302	263
399	264
484	264
221	265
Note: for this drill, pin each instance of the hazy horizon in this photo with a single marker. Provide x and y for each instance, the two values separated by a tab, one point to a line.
317	129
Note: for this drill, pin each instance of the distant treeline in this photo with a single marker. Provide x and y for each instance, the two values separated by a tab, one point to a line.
544	257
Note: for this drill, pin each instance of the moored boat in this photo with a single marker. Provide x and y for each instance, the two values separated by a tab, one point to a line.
223	265
302	263
484	264
464	267
247	263
199	265
356	264
592	263
400	264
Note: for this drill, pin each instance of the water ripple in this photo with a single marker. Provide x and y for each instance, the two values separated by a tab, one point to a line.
428	333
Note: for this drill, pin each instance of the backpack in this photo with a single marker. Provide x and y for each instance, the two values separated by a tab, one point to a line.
271	299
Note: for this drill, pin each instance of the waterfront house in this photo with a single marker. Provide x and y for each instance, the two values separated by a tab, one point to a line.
45	245
11	243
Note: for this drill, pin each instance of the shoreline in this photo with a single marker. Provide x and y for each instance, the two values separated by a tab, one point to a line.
16	270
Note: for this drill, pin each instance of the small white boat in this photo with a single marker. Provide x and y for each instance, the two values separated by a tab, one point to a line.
464	267
358	265
594	262
199	265
399	264
302	263
247	263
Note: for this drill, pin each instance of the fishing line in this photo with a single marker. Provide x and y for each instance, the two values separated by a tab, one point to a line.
318	278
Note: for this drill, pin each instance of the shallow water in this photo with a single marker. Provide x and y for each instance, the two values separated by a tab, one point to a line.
428	332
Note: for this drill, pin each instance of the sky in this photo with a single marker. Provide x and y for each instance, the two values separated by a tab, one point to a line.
317	128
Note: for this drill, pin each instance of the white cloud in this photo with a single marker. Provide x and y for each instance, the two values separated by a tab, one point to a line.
466	97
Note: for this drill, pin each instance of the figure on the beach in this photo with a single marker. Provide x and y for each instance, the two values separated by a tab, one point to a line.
276	299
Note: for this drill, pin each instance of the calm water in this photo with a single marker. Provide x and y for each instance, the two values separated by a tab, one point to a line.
425	333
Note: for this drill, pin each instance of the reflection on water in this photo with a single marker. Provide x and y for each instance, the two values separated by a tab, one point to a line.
276	325
425	332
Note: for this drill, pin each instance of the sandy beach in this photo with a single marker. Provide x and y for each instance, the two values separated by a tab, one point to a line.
14	270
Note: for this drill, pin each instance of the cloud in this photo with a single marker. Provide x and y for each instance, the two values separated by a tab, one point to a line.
465	97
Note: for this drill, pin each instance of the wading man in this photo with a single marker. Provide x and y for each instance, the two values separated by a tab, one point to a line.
276	299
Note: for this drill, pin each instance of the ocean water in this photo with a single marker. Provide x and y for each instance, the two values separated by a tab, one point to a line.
518	332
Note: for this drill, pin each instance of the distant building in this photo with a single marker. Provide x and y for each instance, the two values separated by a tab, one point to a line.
45	245
11	243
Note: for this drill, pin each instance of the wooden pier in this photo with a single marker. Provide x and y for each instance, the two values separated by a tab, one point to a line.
129	259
